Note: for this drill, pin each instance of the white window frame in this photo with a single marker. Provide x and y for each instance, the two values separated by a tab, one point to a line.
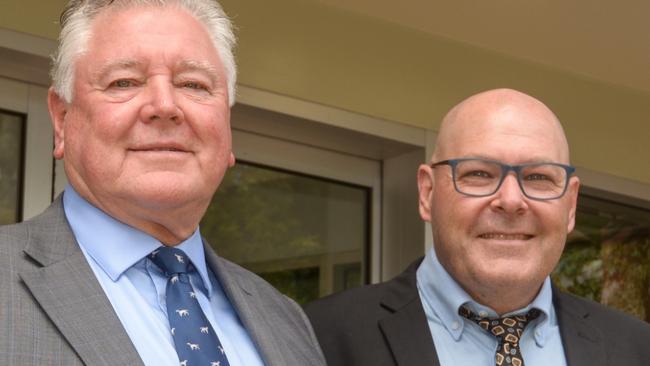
30	100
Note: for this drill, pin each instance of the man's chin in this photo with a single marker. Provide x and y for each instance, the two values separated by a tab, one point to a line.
161	195
510	274
490	275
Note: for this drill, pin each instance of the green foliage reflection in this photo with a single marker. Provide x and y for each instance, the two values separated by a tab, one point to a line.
290	229
299	284
607	257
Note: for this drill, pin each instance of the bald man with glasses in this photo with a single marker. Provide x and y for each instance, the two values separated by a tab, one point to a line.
500	195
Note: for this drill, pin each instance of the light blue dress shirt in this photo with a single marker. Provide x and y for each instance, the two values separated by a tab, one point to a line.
136	287
460	341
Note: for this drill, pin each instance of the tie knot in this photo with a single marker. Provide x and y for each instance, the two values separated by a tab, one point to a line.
508	328
170	260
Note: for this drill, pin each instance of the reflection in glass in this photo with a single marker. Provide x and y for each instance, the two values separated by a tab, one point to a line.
607	257
11	160
305	235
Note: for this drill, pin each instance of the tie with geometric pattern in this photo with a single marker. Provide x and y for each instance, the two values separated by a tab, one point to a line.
507	330
195	340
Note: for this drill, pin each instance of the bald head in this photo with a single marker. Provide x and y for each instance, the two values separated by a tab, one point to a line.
506	113
480	237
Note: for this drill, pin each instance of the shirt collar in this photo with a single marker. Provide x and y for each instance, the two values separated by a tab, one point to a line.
116	246
444	297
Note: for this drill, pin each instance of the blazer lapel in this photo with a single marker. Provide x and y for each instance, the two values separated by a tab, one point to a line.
406	328
240	293
265	315
67	290
583	343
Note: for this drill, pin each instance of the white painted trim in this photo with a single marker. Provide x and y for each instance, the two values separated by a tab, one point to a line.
37	178
305	159
635	190
26	43
332	116
37	192
14	95
376	242
60	179
402	231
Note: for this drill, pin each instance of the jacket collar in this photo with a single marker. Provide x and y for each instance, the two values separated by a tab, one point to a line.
65	287
405	327
583	343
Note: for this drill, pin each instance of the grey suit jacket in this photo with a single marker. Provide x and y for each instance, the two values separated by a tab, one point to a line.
385	325
53	310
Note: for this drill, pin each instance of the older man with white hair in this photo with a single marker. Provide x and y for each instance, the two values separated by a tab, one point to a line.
115	271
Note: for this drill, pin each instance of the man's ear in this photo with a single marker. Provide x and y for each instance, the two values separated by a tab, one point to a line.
58	109
231	160
572	193
425	189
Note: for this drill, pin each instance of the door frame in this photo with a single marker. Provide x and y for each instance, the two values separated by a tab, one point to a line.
31	100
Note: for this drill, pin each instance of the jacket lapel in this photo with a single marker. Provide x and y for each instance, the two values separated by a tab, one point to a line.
240	293
583	343
66	288
405	327
265	315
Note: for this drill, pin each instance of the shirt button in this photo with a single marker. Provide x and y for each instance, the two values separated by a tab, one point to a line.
482	313
455	325
538	333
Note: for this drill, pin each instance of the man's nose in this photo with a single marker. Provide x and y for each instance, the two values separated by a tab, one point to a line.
161	103
509	198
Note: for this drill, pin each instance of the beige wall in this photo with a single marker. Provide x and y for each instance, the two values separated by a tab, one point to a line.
306	50
36	17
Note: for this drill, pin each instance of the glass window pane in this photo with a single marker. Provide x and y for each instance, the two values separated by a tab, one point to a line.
607	257
307	236
11	162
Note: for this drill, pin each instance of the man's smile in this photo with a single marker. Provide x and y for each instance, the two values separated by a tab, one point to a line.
161	147
505	236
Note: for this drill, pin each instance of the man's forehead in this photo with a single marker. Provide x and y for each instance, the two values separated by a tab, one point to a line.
125	44
140	64
112	21
503	112
501	103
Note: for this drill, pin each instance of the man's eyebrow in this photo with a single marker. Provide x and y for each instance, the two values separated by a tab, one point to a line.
204	67
116	65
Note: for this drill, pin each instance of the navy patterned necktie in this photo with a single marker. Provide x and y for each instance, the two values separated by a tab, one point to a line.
507	330
195	340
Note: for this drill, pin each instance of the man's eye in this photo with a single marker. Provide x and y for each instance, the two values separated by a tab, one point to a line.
537	177
194	85
122	83
478	174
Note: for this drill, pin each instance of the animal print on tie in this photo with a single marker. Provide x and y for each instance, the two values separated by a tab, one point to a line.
195	340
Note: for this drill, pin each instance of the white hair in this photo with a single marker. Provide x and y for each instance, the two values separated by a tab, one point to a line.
76	24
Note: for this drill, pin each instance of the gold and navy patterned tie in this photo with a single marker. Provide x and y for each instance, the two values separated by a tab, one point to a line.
507	330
